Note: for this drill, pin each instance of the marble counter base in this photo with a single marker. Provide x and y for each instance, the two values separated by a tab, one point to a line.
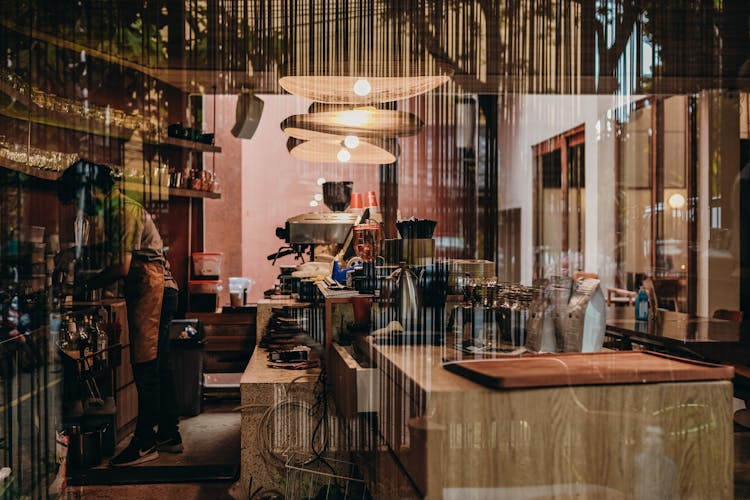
275	402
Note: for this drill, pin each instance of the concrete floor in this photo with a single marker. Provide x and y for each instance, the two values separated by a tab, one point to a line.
181	491
209	438
213	437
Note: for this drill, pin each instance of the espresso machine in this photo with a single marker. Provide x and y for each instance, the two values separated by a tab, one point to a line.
304	231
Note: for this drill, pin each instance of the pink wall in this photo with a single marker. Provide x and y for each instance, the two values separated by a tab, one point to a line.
222	217
263	186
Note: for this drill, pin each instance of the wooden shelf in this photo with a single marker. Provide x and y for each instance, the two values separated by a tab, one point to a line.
48	175
36	114
193	193
182	143
69	122
163	192
154	190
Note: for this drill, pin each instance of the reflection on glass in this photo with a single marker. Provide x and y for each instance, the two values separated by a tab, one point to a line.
560	206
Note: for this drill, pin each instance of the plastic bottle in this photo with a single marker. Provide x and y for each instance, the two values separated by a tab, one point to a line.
55	322
655	473
641	305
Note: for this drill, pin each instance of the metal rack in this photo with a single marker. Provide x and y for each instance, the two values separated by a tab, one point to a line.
322	478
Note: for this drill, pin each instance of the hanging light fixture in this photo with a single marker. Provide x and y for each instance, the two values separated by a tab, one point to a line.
360	90
367	153
363	122
369	83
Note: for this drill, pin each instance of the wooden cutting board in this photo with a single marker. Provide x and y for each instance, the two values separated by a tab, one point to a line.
598	368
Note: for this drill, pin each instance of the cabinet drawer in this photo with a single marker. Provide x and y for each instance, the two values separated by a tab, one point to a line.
355	388
124	372
127	405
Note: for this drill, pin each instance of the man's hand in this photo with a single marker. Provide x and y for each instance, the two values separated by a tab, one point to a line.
110	274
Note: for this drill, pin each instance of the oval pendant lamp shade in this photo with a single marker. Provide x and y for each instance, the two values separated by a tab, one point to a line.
364	122
360	90
364	153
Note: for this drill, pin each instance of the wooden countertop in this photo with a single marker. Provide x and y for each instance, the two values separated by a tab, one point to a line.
420	364
449	433
258	372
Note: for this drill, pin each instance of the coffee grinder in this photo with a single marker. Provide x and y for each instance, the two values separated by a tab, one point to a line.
366	239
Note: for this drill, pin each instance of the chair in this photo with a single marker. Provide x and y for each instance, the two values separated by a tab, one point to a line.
620	296
667	291
728	315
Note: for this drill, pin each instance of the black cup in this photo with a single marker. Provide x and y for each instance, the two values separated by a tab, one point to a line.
175	130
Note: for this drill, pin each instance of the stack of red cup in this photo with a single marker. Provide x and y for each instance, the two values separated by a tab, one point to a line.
356	202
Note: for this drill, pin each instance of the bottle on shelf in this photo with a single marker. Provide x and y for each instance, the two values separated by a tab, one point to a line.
71	333
642	305
84	334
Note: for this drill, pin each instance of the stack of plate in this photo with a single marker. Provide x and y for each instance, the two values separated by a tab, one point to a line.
461	269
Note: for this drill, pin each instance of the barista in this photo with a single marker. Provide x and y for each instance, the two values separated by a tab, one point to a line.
135	253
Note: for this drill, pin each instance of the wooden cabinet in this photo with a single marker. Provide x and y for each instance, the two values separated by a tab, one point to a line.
230	340
126	398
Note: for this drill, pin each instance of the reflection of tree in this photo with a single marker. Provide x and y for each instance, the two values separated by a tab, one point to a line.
693	38
618	19
697	39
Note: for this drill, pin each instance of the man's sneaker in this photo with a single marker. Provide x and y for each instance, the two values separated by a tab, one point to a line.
171	444
135	454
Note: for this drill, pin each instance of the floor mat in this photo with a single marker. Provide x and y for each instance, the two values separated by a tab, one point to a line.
212	453
157	474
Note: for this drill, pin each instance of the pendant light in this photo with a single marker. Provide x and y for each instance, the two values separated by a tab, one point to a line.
364	152
360	90
363	122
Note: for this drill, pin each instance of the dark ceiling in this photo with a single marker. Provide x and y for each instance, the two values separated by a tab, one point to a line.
493	46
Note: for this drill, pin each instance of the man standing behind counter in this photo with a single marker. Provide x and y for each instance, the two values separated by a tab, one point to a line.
135	252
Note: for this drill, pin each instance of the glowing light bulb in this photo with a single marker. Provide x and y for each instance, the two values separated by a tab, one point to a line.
321	181
676	201
351	141
343	155
355	117
362	87
318	197
313	203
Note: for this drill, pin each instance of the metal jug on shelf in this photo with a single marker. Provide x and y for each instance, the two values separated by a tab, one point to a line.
409	296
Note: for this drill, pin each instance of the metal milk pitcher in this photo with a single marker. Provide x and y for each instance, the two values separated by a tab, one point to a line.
407	285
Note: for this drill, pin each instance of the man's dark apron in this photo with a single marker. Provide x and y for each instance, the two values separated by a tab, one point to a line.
144	289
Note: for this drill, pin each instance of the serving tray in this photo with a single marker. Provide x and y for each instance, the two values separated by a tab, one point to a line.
598	368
